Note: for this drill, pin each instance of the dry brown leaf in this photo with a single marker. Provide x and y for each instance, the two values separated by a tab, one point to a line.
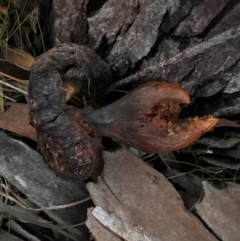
3	10
16	120
13	70
17	56
220	210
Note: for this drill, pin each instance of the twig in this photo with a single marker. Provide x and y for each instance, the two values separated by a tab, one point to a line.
61	206
53	207
24	82
72	226
15	196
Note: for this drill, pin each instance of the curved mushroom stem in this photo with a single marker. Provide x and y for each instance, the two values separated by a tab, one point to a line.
68	145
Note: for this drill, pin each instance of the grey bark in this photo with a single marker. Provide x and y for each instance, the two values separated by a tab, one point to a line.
191	43
25	169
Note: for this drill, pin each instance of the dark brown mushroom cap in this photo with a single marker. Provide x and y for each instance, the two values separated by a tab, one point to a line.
47	92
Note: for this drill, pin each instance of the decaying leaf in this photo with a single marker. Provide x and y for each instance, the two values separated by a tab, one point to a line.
17	56
147	119
15	119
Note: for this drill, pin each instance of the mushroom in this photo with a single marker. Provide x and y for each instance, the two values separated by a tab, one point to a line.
146	118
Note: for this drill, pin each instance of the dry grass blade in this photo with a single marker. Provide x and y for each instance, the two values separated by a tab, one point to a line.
31	217
14	87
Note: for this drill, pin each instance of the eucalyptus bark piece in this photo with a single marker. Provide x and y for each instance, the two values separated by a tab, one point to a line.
136	202
135	42
25	169
98	231
68	22
220	148
130	30
227	19
194	66
147	119
227	102
113	18
69	146
219	210
200	17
